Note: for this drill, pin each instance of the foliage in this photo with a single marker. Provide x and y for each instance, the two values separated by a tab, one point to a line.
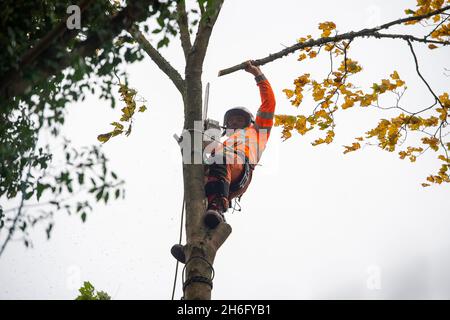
68	68
129	97
336	93
88	292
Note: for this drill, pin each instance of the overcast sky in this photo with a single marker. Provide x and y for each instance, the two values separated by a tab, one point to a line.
315	224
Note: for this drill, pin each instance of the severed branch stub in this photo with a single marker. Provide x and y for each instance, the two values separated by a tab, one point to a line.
200	254
219	235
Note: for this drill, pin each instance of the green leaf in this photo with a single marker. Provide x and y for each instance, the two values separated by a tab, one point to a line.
99	194
49	230
40	188
83	217
164	42
23	226
87	292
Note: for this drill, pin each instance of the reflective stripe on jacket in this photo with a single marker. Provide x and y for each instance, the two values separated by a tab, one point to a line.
252	140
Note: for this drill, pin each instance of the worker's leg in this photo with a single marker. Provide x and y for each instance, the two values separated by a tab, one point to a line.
217	187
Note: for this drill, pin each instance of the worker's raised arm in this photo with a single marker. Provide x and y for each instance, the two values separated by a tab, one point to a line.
264	116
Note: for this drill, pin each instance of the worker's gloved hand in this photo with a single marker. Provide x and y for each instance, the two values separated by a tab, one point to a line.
254	70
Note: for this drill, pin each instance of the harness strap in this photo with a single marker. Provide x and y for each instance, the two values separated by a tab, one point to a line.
248	168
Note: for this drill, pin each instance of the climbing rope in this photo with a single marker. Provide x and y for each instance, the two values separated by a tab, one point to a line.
179	242
237	202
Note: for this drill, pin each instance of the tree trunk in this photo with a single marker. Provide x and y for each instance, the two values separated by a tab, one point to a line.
201	243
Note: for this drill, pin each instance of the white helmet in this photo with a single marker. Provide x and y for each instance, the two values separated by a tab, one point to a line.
239	111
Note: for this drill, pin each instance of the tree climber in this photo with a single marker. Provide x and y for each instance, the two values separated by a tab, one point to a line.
230	167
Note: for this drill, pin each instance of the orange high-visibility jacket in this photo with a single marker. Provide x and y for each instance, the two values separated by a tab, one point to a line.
253	139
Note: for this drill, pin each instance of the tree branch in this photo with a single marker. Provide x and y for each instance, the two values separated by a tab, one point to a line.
207	21
409	19
420	75
182	21
43	44
14	84
371	32
408	37
441	23
19	212
160	61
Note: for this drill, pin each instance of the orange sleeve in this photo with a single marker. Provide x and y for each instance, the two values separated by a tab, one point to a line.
264	116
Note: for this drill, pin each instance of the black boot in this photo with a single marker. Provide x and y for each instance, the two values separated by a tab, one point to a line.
215	212
177	252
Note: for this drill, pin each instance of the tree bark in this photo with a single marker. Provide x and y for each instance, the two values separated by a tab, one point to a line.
201	243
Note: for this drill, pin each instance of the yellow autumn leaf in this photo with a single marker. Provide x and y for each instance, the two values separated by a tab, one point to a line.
355	146
289	93
104	137
432	142
329	137
127	113
326	27
318	92
348	103
302	57
312	54
117	125
142	108
441	157
395	75
286	134
300	125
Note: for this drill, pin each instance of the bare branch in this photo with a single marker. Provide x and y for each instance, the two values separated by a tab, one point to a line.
183	24
441	23
207	21
345	36
160	61
420	75
408	37
18	215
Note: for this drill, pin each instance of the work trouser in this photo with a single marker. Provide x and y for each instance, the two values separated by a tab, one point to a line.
223	179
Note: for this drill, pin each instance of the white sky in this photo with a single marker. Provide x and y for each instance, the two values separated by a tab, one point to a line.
316	224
